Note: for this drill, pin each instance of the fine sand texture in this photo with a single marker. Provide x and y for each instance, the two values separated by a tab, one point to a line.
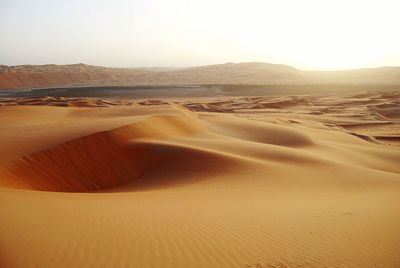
267	181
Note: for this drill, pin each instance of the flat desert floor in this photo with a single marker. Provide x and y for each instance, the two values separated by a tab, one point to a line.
269	181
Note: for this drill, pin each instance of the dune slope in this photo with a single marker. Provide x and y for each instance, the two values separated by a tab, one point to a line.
285	181
99	161
247	73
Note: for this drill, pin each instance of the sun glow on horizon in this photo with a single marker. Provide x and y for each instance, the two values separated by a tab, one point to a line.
308	34
317	34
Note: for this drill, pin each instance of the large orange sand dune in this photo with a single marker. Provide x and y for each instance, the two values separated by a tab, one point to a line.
245	73
280	181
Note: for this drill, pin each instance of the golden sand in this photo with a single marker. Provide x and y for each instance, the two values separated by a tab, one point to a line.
279	181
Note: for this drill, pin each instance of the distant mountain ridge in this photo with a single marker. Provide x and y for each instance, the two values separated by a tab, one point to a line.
254	73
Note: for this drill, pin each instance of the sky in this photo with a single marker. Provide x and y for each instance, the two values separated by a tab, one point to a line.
306	34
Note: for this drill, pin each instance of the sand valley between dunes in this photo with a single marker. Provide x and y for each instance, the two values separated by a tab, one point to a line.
268	181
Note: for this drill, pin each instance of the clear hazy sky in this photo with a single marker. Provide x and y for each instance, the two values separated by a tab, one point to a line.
307	34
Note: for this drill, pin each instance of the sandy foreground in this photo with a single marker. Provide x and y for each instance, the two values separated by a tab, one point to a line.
277	181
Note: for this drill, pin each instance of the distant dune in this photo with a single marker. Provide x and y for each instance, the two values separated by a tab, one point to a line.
255	73
24	76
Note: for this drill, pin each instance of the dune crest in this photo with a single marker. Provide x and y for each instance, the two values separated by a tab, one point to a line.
99	161
247	73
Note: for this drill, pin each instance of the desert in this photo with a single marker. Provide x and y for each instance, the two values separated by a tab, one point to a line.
199	134
309	180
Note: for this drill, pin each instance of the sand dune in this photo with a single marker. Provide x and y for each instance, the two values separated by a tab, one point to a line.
263	181
26	76
248	73
99	161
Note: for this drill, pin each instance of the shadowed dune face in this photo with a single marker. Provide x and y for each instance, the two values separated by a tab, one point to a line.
86	164
102	160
